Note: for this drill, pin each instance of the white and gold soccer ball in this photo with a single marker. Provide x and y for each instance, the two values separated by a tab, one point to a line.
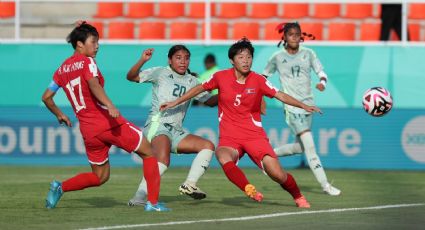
377	101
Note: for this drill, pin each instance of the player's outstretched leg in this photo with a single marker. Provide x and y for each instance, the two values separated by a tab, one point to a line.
54	194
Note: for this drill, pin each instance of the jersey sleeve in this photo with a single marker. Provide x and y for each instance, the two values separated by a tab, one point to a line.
150	75
270	67
267	88
315	62
211	83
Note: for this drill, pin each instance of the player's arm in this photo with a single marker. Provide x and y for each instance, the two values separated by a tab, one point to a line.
318	68
47	99
285	98
187	96
99	93
133	73
212	101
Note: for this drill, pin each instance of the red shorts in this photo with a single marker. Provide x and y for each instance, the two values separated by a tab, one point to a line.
126	136
256	149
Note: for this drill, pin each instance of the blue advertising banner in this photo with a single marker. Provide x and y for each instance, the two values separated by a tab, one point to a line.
344	138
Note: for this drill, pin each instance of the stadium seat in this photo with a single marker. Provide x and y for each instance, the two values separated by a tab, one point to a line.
218	31
171	10
315	29
231	10
245	29
263	10
341	31
270	32
109	9
99	27
358	10
326	10
417	11
152	30
295	10
370	31
121	30
414	31
140	10
197	10
183	30
7	9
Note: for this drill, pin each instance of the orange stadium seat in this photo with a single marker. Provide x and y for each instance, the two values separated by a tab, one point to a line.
7	9
414	31
341	31
99	27
197	10
315	29
121	30
245	29
326	10
231	10
140	9
417	11
183	30
358	10
152	30
171	9
370	31
109	9
263	10
295	10
270	32
218	31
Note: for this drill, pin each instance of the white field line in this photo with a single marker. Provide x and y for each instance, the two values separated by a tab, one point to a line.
256	217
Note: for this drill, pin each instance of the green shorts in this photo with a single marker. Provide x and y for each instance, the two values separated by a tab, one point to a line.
175	134
298	122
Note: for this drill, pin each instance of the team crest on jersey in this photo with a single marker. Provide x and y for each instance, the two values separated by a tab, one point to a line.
284	61
250	91
171	76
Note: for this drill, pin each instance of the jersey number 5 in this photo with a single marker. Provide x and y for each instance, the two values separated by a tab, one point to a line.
237	100
71	86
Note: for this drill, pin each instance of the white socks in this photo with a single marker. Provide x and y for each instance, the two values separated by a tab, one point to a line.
288	149
199	165
142	191
312	158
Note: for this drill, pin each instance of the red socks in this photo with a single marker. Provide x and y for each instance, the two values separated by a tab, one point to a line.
81	181
235	175
291	186
153	179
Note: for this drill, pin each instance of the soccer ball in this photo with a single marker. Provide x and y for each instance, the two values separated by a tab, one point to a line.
377	101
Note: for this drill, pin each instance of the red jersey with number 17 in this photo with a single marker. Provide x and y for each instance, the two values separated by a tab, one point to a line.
73	76
239	104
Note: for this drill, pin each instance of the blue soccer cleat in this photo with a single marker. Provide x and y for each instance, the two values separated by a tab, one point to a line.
159	207
54	195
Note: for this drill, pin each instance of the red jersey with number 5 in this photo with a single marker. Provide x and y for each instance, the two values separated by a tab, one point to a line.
73	76
239	104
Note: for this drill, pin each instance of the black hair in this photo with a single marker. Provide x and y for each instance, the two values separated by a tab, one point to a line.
209	58
283	28
174	50
81	33
239	46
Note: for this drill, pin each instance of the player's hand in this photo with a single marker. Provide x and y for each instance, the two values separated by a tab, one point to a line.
320	87
64	120
147	54
167	105
113	112
79	23
312	109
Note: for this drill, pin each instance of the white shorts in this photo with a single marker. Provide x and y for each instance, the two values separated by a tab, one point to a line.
298	122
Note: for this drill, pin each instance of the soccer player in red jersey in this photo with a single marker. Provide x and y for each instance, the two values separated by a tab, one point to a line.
240	92
101	124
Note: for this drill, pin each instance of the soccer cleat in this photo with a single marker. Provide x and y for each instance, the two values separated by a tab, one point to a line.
331	190
137	201
192	191
302	202
252	193
159	207
54	195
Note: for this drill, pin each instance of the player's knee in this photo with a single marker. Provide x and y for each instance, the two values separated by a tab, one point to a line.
208	145
103	179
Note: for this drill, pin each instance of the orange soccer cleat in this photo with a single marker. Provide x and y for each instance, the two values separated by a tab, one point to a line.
302	202
252	193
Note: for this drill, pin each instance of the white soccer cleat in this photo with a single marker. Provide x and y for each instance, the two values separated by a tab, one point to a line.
331	190
137	201
192	191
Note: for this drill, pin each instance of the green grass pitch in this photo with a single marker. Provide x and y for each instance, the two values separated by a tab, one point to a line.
23	190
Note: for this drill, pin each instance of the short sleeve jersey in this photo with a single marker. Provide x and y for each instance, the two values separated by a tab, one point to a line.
294	71
239	104
167	86
73	76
